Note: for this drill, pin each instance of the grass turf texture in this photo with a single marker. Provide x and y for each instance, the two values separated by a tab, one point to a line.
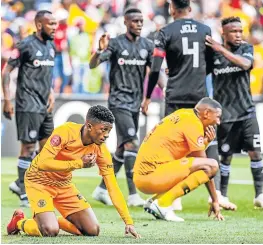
243	226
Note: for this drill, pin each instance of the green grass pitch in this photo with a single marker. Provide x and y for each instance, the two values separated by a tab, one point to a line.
243	226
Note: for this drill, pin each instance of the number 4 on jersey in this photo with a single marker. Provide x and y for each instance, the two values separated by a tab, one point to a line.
194	51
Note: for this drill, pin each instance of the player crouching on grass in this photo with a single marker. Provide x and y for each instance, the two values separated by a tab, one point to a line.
48	180
178	163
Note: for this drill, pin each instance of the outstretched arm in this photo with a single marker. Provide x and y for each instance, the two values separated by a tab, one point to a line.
119	203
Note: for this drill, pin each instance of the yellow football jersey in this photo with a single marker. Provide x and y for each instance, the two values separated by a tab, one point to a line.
65	146
175	137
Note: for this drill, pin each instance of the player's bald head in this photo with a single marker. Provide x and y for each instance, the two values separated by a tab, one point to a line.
206	103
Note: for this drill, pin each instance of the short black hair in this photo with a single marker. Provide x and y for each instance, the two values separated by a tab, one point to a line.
231	19
132	11
181	4
211	102
41	13
99	113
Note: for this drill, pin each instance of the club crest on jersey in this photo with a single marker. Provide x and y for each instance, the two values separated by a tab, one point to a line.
200	140
52	52
15	54
41	203
55	140
143	53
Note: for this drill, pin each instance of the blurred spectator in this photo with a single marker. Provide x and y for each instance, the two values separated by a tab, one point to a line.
71	72
80	57
256	75
62	70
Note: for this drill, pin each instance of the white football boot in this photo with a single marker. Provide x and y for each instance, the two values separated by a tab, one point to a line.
158	212
135	200
258	201
102	196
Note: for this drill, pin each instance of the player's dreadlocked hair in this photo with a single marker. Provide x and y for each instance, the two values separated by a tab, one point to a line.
181	4
211	102
40	14
132	11
230	20
99	113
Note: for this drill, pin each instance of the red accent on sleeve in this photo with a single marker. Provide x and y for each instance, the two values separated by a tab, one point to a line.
159	53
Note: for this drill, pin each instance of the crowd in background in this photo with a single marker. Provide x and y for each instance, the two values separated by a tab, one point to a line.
82	22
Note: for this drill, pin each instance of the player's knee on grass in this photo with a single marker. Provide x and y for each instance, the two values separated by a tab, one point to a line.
49	229
92	230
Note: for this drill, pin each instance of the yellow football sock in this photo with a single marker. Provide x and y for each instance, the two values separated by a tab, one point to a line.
29	226
67	226
182	188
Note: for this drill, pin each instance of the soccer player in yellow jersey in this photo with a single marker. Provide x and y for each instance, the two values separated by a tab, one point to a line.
171	161
48	180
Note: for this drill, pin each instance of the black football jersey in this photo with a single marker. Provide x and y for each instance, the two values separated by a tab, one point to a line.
35	62
231	85
128	62
187	57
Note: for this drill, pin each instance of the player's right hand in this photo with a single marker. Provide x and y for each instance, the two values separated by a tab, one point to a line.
104	41
210	133
8	109
129	229
215	208
89	160
145	105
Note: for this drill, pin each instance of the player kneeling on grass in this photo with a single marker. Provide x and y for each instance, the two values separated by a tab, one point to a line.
48	180
171	161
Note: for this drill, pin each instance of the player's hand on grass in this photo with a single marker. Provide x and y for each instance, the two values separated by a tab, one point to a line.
215	209
129	229
213	44
8	109
210	133
145	105
104	41
89	160
51	102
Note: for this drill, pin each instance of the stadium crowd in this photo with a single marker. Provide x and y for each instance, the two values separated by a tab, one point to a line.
82	22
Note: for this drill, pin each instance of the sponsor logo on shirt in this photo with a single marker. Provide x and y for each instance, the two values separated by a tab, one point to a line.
38	63
122	61
227	70
39	53
125	52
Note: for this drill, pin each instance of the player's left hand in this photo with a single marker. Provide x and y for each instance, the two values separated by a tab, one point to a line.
210	133
213	44
51	102
215	208
129	229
